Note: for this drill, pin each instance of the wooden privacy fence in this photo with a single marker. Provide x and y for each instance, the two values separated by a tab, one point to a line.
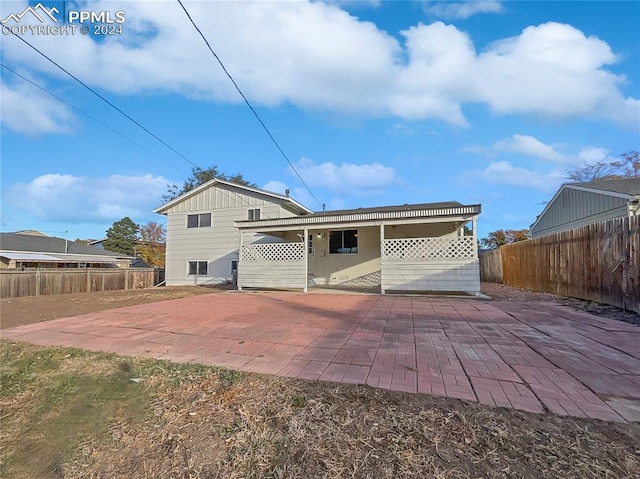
491	266
41	282
598	262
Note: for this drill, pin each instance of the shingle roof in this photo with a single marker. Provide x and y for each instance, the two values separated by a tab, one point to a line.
626	186
49	244
391	209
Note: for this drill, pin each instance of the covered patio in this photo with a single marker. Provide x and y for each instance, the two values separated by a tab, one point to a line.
410	248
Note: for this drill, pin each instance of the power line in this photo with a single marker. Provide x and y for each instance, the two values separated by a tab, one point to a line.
106	101
248	103
84	113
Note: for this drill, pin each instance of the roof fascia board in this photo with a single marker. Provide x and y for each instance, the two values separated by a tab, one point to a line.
251	227
547	206
602	192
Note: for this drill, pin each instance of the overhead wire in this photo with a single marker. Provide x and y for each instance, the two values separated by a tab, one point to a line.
255	113
40	87
106	100
135	121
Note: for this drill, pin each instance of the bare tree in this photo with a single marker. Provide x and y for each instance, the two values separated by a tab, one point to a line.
627	166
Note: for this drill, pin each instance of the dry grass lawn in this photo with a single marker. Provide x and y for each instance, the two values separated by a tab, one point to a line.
73	414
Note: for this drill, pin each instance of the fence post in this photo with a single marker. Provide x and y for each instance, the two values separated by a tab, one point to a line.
126	278
88	280
38	282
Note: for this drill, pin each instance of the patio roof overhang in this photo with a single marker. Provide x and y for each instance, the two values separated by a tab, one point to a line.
367	217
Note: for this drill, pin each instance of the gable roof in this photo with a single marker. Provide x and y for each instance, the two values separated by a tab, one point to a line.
286	199
624	186
50	244
620	187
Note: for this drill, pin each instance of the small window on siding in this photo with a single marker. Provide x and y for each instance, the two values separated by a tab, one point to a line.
202	220
198	268
254	214
343	242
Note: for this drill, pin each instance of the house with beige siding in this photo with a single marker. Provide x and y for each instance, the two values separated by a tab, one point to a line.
580	204
272	241
202	241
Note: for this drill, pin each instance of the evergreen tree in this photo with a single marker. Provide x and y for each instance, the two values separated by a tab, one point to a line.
198	177
122	236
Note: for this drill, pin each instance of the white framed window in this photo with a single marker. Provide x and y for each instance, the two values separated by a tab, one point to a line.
343	242
198	268
201	220
254	214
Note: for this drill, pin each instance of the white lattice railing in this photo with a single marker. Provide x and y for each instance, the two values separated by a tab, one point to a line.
443	247
273	253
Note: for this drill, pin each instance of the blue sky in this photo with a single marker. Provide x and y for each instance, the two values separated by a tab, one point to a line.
375	103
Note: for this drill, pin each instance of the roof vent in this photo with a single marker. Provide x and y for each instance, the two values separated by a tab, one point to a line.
287	192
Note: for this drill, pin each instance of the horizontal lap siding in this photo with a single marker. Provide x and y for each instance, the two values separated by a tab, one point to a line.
272	275
431	275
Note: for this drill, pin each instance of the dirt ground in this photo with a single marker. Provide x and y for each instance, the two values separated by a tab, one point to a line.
33	309
501	292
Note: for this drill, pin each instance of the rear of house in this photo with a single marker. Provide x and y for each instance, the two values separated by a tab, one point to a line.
202	242
395	248
271	241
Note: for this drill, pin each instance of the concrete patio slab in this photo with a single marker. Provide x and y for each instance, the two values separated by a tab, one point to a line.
535	357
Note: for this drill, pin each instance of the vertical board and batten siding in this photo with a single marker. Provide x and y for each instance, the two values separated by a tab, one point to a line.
43	282
278	265
573	208
218	244
430	264
599	262
491	266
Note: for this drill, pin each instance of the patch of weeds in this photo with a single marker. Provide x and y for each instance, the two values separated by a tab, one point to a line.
229	377
298	401
175	374
69	405
20	367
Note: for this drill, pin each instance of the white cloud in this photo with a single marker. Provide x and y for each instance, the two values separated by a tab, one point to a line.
592	154
315	55
464	10
528	145
348	179
28	111
503	172
76	199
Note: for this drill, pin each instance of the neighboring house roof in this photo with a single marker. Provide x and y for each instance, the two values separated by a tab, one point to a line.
627	188
624	186
31	232
287	199
45	248
401	212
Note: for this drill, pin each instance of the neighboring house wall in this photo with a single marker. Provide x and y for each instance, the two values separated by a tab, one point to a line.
217	244
573	208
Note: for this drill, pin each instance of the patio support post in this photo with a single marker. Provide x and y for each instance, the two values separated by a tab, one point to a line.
239	260
381	253
475	236
305	247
